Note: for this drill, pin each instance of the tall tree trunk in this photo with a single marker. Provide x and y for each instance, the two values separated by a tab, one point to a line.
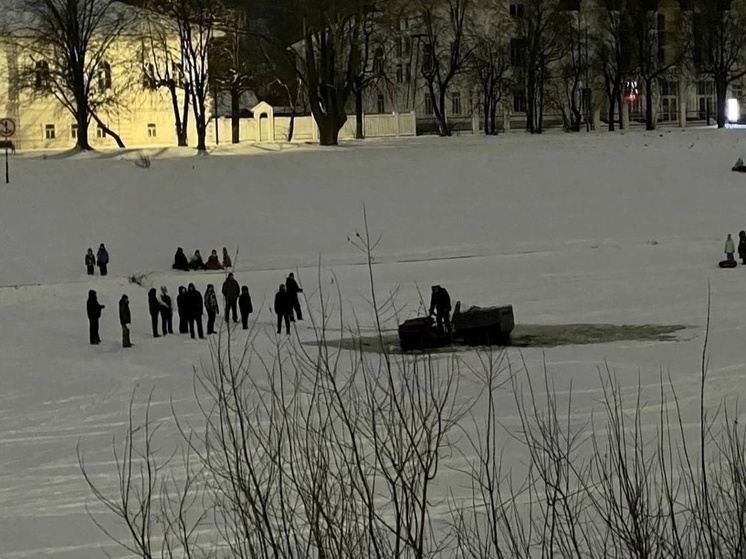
235	115
444	128
329	128
649	120
182	133
620	107
82	119
180	122
721	91
201	125
359	131
493	116
612	96
486	115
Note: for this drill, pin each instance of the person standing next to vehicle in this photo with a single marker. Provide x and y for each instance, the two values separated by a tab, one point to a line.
440	305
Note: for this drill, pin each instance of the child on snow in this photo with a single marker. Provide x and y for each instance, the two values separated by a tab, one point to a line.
730	249
90	261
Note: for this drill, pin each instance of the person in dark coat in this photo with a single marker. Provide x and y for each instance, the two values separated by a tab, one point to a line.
125	318
180	260
231	291
167	312
283	309
213	262
90	261
181	306
211	306
245	306
440	305
155	309
194	309
742	246
227	262
292	290
196	262
93	309
102	258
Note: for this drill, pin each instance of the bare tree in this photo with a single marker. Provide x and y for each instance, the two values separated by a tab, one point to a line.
196	22
613	53
67	42
657	47
718	37
572	68
163	69
233	64
329	56
489	58
443	31
539	49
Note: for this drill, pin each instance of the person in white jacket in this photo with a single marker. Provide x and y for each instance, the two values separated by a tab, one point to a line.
730	248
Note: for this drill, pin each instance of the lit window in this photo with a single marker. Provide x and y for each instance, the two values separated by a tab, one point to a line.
49	132
152	133
100	132
74	131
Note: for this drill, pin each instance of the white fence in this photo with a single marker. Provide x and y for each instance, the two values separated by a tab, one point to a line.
268	128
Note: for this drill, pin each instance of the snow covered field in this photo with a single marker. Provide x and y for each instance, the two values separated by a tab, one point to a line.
624	228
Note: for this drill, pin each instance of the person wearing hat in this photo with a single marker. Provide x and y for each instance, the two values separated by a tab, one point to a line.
125	318
167	312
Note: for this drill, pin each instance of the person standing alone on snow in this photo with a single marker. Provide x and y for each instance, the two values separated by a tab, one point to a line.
245	306
211	306
730	248
102	257
155	308
283	309
90	261
292	290
93	309
231	293
167	312
125	318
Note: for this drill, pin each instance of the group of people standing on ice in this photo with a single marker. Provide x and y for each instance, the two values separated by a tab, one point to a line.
730	251
192	305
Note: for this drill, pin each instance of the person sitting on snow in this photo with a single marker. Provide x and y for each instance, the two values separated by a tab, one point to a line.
213	262
180	260
196	262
